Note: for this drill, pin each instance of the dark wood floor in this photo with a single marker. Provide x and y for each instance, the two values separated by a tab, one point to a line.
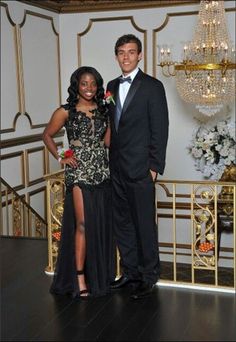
30	313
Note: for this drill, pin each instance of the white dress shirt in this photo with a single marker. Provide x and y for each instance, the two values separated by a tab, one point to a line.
124	87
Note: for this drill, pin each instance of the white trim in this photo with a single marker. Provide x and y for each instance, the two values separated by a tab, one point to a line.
196	287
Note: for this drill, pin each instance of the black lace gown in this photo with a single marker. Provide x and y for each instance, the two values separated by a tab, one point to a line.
85	135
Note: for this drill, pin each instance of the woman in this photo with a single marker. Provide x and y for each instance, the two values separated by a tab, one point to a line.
86	255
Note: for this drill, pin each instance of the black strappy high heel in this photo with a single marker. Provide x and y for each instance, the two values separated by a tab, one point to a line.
85	291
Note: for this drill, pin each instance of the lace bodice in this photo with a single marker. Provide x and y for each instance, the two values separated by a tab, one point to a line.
86	138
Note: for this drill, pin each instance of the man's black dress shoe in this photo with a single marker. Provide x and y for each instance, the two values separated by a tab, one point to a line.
143	290
122	281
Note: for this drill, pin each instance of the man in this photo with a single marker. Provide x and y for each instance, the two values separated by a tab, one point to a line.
139	133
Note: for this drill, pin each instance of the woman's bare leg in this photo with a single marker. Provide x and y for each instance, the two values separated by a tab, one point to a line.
80	246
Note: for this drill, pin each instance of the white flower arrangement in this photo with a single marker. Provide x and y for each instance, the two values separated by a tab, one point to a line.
213	147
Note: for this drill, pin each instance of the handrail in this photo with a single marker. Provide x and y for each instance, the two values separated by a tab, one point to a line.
53	174
17	216
195	182
191	216
55	204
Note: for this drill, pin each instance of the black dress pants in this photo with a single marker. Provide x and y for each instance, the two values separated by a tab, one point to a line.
135	227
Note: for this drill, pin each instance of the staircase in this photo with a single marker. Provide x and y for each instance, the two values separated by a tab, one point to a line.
18	218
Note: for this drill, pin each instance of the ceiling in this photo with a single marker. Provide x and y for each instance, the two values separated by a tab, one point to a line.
76	6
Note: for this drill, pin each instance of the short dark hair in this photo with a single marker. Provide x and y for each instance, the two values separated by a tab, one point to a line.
128	38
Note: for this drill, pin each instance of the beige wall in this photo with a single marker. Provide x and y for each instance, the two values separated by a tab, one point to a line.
40	49
89	38
30	91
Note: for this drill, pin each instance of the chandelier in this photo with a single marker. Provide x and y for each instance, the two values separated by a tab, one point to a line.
206	75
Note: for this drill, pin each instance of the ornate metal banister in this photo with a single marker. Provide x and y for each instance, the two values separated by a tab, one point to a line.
194	207
18	218
206	213
55	203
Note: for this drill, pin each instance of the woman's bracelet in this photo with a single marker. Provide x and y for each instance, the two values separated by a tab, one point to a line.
59	160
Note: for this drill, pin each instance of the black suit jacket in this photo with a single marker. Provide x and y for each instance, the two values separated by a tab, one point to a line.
140	142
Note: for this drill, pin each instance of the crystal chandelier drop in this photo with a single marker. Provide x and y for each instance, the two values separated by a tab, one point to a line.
206	76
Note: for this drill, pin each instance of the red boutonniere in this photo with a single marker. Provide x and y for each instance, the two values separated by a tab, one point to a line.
108	98
63	153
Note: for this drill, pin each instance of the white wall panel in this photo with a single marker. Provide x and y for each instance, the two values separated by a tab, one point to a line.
9	91
37	200
97	47
35	162
40	67
13	170
29	82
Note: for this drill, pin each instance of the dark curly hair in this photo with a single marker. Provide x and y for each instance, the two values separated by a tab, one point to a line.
74	87
128	38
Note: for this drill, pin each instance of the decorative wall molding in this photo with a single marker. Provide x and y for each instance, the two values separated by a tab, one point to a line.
29	154
79	6
16	40
16	65
26	140
23	56
42	192
20	155
129	18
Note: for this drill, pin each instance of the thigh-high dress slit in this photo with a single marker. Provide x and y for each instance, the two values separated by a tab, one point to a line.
85	136
100	254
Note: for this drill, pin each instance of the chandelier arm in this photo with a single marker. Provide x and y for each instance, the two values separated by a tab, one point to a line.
171	73
209	66
165	73
186	70
224	69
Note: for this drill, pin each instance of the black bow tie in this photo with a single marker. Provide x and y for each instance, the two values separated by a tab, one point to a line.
125	79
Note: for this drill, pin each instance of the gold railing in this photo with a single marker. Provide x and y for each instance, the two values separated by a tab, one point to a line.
18	218
55	203
191	217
